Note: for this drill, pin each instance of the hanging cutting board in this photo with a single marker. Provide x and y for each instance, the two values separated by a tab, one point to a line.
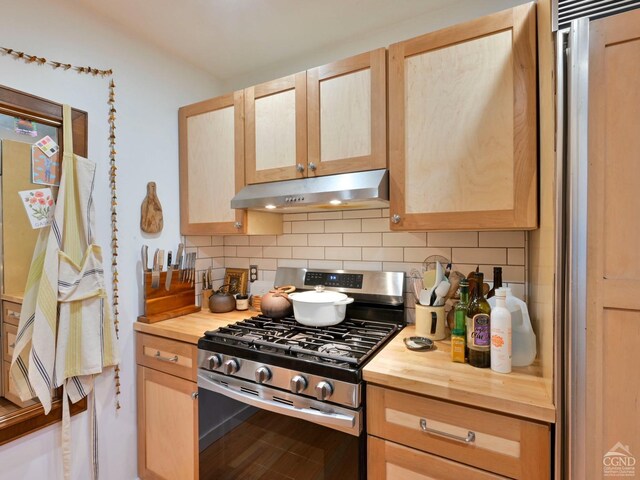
151	214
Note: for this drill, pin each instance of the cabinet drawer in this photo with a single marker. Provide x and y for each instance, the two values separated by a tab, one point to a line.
9	333
390	461
170	356
11	312
502	444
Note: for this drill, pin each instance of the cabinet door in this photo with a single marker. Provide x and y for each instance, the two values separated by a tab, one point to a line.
276	129
167	426
211	165
462	126
388	460
610	422
347	115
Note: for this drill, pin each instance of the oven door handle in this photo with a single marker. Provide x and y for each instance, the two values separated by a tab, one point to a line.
344	422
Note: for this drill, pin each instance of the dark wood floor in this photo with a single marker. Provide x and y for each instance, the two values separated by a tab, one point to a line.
275	447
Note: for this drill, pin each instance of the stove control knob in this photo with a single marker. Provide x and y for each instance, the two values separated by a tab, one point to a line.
263	374
231	366
215	361
323	390
298	384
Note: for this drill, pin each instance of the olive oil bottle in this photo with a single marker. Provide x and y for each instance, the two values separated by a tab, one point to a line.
458	334
479	327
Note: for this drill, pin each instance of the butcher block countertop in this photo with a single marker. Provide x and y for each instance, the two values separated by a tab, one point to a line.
523	392
190	328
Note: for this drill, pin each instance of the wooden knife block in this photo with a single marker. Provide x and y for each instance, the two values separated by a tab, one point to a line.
161	304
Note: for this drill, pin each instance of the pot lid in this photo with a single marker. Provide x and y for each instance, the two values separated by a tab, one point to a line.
319	295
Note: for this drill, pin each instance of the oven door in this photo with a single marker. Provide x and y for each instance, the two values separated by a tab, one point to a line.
249	431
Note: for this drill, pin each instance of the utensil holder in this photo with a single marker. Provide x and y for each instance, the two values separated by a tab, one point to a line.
431	322
161	304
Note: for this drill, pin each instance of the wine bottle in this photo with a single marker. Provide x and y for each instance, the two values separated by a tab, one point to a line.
458	334
478	327
497	281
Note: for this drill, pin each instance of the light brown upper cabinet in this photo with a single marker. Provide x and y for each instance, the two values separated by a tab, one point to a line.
462	126
276	129
347	115
212	170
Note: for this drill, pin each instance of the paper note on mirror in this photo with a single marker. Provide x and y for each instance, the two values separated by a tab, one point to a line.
39	205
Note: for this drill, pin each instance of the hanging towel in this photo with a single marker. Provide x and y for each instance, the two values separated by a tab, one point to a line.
66	333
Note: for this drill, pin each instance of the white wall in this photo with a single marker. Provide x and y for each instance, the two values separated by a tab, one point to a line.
454	12
149	89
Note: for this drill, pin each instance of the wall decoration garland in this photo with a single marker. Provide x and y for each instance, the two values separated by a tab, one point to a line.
34	59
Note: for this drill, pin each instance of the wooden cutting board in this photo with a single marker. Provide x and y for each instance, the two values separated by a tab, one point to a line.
151	212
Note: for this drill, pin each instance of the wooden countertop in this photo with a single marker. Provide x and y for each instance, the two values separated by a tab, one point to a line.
189	328
523	392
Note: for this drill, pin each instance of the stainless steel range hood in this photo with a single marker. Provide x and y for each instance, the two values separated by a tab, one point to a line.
344	191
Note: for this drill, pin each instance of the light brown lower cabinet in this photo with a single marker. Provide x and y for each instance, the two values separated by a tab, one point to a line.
390	461
412	436
167	409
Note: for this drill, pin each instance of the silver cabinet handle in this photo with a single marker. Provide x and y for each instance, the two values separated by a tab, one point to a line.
13	345
173	359
300	167
194	395
470	438
312	167
396	218
13	314
238	225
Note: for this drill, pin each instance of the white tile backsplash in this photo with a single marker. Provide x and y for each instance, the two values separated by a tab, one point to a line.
452	239
384	254
309	253
249	251
325	240
292	239
342	226
325	216
375	224
210	252
236	240
198	241
412	254
310	226
362	213
343	253
362	240
404	239
263	240
501	239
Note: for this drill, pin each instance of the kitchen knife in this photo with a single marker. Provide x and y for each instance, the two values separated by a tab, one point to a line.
145	259
192	269
167	283
178	261
155	274
192	275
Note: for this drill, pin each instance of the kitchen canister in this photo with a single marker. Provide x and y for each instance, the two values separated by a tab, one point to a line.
431	322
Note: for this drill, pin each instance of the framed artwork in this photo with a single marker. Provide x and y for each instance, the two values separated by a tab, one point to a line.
236	278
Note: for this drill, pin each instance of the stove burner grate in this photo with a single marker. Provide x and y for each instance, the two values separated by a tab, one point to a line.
347	344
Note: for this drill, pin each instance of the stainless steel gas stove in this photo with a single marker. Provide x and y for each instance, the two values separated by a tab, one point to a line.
277	370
